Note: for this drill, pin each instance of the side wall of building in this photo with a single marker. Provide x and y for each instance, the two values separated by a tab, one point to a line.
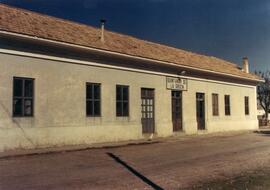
60	104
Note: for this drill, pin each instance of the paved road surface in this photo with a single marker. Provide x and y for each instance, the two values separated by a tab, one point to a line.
174	164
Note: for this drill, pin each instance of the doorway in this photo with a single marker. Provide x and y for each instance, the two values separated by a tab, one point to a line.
148	110
177	110
200	104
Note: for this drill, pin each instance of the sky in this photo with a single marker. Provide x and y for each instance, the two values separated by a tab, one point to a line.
227	29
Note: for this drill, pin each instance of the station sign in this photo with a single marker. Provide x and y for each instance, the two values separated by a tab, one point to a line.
176	83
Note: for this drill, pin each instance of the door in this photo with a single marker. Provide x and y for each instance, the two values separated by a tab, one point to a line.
200	104
177	110
148	110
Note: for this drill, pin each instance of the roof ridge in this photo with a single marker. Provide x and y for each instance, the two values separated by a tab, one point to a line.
113	32
50	16
28	22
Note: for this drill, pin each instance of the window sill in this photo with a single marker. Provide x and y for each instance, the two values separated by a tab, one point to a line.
18	117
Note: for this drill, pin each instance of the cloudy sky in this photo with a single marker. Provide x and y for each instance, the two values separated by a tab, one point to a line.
228	29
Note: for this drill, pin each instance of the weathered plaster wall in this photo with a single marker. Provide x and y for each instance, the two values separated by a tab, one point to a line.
236	121
60	118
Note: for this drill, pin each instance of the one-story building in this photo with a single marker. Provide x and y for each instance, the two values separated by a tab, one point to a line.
64	83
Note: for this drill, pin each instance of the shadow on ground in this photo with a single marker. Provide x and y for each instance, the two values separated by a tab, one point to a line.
135	172
263	132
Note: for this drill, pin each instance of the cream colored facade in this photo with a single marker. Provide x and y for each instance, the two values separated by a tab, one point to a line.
59	104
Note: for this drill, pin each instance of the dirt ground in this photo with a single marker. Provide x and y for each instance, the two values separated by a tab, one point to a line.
256	180
197	162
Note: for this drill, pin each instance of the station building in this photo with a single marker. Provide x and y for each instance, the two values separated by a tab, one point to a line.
64	83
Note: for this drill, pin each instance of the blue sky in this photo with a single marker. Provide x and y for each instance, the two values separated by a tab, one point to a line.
228	29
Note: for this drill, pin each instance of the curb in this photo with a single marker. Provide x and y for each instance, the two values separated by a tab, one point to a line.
111	145
60	150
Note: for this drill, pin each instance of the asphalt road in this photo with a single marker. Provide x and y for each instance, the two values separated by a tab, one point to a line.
174	164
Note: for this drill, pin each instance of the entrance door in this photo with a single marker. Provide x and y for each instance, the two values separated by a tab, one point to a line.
177	110
148	110
200	104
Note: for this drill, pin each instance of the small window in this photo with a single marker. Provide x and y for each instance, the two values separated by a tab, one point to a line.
227	105
246	105
23	97
122	101
93	100
215	104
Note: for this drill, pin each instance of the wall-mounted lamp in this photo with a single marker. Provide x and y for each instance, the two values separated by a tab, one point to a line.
182	73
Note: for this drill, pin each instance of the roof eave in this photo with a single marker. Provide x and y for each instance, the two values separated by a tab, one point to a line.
54	42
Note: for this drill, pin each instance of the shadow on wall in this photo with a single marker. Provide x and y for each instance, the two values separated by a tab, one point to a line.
17	124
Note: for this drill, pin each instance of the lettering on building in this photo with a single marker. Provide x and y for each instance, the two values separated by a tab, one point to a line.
176	83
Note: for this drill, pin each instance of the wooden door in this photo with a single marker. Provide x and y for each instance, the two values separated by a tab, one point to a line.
200	104
148	110
177	110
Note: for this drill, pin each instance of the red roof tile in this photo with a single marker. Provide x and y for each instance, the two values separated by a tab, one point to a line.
43	26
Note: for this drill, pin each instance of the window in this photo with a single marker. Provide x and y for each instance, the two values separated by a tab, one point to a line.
227	105
93	100
246	105
215	104
23	97
122	101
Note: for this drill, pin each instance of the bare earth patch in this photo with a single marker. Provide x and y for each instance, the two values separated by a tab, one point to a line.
256	180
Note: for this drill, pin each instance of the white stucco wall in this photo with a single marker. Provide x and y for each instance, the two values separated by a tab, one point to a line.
60	118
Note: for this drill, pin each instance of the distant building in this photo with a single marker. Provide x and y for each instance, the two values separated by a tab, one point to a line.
63	83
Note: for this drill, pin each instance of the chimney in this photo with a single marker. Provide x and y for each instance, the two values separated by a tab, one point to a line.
102	38
245	65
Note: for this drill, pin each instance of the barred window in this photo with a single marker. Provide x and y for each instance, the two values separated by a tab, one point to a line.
227	105
215	104
122	100
23	97
246	105
93	100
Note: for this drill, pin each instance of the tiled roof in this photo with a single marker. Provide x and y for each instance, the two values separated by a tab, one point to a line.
43	26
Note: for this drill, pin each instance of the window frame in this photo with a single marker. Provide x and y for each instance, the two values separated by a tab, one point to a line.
215	104
23	97
227	106
93	99
246	103
122	101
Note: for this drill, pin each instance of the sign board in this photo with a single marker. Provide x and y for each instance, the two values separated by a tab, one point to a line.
176	83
